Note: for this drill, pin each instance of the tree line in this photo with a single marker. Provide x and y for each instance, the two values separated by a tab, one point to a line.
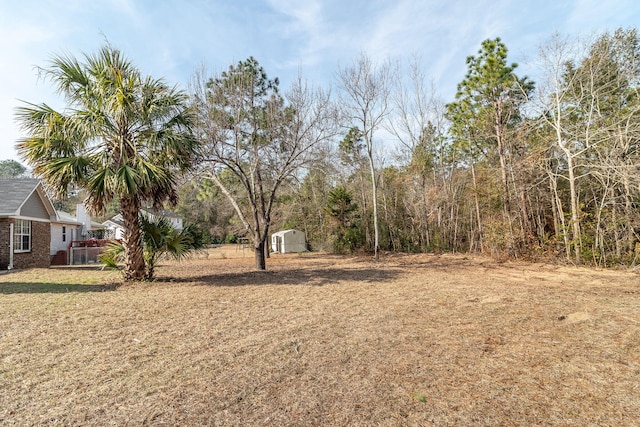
511	167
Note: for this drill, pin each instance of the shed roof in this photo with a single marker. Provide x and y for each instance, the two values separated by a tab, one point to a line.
283	232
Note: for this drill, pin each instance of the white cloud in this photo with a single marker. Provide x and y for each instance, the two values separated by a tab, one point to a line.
594	15
305	29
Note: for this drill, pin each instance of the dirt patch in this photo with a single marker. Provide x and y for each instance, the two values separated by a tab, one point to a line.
578	317
322	340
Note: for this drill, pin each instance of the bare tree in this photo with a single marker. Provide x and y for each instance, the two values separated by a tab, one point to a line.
416	107
255	139
610	75
589	104
365	88
551	102
418	123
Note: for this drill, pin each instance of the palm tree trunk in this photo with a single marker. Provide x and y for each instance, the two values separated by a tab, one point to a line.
134	268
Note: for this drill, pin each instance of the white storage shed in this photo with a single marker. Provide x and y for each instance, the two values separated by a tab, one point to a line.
288	241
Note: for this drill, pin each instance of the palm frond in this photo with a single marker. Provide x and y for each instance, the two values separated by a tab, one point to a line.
113	256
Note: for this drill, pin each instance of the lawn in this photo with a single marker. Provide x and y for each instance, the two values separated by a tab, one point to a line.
410	340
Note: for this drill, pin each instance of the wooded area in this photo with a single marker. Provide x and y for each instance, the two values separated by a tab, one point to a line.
511	168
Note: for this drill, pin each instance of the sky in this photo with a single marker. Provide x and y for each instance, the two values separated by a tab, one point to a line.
311	38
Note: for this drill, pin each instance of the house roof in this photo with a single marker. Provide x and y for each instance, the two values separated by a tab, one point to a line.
66	217
15	192
114	221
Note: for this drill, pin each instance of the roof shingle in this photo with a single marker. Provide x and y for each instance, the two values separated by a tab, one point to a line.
13	193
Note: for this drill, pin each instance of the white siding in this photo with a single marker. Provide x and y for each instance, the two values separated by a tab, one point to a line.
56	239
57	244
288	241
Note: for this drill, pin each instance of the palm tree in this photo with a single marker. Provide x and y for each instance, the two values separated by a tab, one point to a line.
123	136
160	239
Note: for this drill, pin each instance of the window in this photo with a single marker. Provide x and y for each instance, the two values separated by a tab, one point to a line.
22	236
64	233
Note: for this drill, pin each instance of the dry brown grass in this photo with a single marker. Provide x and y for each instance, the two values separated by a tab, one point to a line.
411	340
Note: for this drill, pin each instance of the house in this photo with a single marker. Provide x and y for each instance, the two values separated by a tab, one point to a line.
26	213
64	230
288	241
115	226
174	219
32	232
69	232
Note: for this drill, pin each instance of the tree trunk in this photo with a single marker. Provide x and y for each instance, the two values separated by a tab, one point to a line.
374	188
477	206
391	244
563	223
628	216
527	229
363	209
575	208
261	263
499	133
553	191
134	268
616	231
